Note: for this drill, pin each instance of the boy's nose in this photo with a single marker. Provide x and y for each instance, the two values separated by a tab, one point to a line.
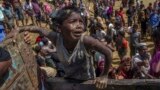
79	25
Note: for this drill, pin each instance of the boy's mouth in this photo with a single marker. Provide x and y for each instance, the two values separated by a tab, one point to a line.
77	34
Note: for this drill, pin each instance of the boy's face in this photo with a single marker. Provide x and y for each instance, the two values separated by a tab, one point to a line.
73	27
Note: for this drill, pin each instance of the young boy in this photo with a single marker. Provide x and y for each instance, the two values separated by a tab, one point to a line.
73	47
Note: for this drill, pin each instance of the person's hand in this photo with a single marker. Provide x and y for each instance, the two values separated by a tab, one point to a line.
27	38
101	82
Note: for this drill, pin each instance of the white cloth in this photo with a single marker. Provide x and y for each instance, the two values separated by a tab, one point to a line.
1	14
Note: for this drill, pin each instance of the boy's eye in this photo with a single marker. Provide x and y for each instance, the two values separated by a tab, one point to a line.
72	20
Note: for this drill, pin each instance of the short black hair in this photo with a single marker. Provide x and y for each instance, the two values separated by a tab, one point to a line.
64	13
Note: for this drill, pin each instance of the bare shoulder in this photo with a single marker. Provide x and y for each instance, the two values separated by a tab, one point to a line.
90	41
94	44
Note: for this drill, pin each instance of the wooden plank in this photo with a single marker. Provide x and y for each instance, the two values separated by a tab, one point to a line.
23	61
127	84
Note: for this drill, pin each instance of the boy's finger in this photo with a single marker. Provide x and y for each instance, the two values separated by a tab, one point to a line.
101	84
94	82
27	40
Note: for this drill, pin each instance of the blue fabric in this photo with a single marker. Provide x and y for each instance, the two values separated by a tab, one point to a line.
1	15
154	20
2	34
8	13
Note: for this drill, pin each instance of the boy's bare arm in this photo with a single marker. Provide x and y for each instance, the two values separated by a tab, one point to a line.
35	29
92	43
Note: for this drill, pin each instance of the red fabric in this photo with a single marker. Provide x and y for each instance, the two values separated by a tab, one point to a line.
38	39
125	43
122	17
123	74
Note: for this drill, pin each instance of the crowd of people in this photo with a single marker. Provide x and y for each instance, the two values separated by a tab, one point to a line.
17	11
83	38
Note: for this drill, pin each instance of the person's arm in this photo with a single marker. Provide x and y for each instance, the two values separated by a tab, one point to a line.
94	44
35	29
4	67
139	64
142	70
91	43
148	75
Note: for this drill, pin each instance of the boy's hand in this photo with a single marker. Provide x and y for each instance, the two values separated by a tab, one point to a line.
101	82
